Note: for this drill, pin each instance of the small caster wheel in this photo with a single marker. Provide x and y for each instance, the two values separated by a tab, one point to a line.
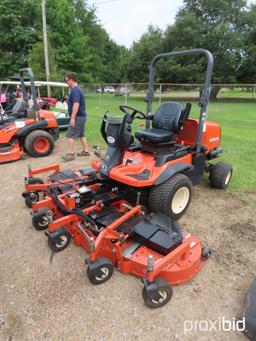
58	240
99	271
220	175
31	199
40	221
157	293
206	252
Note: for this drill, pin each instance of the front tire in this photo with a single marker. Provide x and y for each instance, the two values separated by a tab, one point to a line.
171	197
39	143
40	221
59	242
220	175
100	271
31	199
160	296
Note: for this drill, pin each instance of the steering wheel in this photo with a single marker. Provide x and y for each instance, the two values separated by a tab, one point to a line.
125	109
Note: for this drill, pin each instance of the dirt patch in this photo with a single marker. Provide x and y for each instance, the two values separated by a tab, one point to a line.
40	300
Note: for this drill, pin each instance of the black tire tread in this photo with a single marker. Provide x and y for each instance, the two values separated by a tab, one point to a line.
160	284
28	202
35	218
158	197
218	174
94	281
52	246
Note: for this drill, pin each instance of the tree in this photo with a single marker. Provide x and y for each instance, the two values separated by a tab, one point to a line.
76	41
105	54
37	62
247	70
214	25
141	54
66	36
18	34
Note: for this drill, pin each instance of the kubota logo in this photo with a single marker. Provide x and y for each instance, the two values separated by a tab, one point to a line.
111	139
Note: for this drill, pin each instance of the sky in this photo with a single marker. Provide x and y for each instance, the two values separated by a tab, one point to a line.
126	20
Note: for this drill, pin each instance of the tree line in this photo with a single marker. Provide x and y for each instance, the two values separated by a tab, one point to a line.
78	42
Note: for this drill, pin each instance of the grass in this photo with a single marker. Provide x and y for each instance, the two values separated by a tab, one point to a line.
236	93
237	120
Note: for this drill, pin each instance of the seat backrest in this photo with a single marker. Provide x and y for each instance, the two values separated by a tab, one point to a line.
167	116
20	106
185	114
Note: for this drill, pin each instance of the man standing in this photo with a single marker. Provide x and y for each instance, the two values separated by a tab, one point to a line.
77	113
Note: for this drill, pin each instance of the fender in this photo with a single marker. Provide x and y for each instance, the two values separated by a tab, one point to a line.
42	124
170	171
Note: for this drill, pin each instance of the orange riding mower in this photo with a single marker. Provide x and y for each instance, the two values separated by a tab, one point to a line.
157	166
27	129
116	234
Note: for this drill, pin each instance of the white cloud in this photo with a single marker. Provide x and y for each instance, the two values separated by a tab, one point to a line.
127	20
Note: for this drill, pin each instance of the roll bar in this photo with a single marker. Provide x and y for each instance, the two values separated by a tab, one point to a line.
205	94
32	86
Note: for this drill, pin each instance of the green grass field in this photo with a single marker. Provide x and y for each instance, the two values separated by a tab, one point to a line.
237	120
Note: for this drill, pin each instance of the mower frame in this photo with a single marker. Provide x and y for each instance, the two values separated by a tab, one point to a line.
205	95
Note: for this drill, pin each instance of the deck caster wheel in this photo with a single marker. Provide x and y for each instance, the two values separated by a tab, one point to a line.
157	293
206	252
40	220
100	271
31	198
220	175
58	240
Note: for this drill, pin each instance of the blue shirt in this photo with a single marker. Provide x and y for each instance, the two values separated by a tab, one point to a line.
77	96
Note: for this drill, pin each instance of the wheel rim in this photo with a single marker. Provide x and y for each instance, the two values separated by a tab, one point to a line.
41	145
228	178
43	221
180	200
105	272
33	198
163	297
62	240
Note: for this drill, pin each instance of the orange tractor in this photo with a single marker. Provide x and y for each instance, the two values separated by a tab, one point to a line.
27	128
123	213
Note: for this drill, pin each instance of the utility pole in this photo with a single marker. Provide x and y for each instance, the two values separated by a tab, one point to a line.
46	59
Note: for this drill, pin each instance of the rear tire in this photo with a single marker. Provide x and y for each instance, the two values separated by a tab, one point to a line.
171	197
39	143
220	175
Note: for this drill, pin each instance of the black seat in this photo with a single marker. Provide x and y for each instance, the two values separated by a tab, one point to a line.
167	121
18	111
19	107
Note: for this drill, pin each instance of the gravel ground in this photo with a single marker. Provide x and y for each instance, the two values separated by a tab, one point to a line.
40	300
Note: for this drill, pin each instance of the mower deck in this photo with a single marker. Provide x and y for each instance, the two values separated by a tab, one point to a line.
10	153
116	234
36	187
